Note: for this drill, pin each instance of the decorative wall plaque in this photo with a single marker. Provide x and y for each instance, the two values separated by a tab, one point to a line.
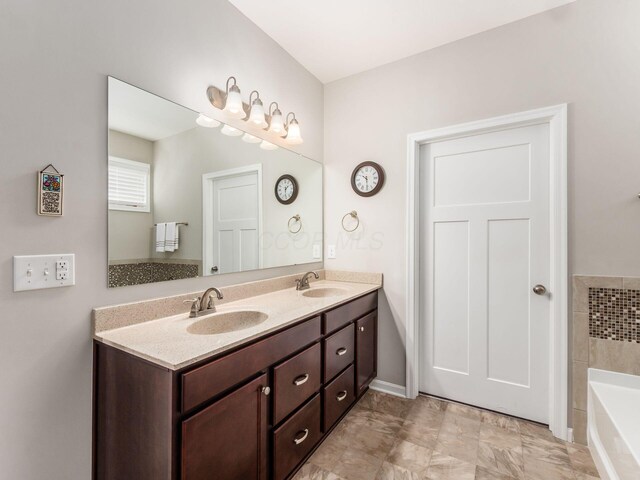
50	191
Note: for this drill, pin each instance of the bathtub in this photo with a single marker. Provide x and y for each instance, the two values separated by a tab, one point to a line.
613	424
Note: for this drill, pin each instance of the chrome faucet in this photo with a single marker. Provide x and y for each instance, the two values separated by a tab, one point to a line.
204	305
303	283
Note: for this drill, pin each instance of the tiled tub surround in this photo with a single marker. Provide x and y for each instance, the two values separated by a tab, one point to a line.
606	312
388	438
136	273
156	330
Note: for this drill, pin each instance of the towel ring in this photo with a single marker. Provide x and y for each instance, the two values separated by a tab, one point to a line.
353	214
295	218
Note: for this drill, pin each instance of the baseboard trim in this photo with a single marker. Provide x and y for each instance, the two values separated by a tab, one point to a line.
390	388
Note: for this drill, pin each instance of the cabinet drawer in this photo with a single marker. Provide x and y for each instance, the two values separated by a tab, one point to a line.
340	316
296	438
338	352
338	397
207	381
296	380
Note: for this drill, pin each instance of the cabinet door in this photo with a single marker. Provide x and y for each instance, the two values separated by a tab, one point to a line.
366	350
228	440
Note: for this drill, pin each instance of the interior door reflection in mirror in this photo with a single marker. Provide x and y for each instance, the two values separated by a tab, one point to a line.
186	200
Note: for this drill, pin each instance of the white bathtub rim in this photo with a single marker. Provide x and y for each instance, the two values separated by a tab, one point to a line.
607	379
615	380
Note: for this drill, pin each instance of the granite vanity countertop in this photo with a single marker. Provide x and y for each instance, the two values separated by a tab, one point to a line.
167	342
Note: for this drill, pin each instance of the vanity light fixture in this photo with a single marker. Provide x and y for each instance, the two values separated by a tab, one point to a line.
276	123
230	102
207	122
247	137
256	116
293	130
230	131
268	145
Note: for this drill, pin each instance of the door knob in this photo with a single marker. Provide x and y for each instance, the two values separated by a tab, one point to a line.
214	269
539	289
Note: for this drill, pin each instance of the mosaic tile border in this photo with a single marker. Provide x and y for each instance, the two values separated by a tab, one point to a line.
125	274
614	314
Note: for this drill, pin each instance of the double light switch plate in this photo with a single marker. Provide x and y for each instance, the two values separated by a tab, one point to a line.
33	272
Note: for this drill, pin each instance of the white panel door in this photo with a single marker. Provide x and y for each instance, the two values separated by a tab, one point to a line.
235	238
485	232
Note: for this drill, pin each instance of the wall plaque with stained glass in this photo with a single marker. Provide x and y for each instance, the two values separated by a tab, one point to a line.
50	192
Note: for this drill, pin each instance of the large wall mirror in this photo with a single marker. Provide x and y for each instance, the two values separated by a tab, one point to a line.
187	200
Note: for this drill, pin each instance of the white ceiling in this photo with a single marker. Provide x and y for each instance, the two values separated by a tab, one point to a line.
337	38
145	115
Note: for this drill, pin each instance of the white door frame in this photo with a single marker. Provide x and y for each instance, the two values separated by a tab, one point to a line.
556	117
207	204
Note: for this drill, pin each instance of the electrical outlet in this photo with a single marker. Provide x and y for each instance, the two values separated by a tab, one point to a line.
331	251
62	265
62	275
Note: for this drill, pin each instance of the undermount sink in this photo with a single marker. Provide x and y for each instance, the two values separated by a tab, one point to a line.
226	322
324	292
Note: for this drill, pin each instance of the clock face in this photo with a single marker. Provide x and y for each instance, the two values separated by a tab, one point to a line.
367	179
286	189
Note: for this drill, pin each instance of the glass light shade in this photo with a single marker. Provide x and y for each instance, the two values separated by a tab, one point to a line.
268	145
207	122
230	131
233	105
256	117
277	124
247	137
293	135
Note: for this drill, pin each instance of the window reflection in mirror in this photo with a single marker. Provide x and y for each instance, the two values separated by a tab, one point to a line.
185	200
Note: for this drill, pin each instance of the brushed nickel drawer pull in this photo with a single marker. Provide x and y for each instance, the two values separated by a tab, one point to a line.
301	379
361	329
341	396
341	351
298	441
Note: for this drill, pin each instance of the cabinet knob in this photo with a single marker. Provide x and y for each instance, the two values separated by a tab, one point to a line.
361	329
266	390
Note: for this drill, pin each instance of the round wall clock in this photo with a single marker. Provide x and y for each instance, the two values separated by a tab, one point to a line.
367	179
286	189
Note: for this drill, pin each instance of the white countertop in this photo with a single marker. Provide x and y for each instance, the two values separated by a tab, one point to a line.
166	341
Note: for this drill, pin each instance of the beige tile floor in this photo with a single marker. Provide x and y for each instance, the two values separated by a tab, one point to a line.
390	438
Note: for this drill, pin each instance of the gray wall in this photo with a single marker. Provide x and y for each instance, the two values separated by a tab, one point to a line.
137	242
585	54
55	59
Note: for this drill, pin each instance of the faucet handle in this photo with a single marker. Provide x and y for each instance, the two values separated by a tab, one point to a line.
195	305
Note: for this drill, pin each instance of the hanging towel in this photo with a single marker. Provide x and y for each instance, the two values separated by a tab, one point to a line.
161	229
171	237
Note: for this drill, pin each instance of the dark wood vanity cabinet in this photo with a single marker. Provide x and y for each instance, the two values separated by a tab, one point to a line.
254	413
229	437
366	348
